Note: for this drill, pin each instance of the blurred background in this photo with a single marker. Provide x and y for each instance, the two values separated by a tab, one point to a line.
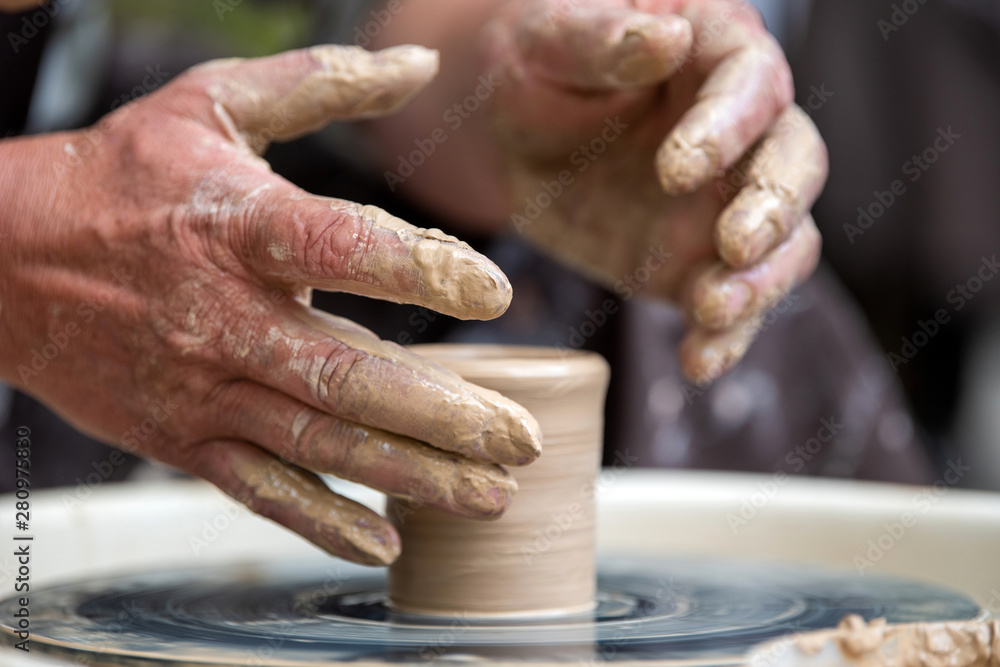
885	365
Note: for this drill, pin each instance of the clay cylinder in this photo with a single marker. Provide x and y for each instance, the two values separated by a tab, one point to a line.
538	558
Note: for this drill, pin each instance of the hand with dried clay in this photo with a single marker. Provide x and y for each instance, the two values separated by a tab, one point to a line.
652	144
154	282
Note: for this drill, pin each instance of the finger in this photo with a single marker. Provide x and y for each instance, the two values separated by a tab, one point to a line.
342	369
341	246
724	297
601	48
707	355
784	175
397	466
296	499
288	95
748	86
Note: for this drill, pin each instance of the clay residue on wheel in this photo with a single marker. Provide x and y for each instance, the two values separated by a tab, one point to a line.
955	644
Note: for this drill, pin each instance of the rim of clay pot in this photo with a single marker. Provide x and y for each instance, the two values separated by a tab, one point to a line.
527	361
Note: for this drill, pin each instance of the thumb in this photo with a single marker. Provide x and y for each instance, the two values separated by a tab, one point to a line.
286	96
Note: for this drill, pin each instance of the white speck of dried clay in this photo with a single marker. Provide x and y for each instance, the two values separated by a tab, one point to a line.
300	422
280	252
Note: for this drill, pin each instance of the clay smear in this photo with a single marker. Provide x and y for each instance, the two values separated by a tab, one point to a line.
955	644
402	467
283	98
475	422
450	277
341	526
538	558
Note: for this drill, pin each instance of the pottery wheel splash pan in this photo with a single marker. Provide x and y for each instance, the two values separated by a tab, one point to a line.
655	612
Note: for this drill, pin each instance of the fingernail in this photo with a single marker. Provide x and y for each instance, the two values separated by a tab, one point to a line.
525	439
636	63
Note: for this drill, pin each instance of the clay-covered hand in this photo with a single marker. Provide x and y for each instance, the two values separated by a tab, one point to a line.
155	273
653	144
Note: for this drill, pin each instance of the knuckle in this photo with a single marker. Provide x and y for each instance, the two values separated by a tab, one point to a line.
342	381
332	244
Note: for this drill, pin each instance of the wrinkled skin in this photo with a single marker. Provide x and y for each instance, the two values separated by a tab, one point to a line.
154	279
699	154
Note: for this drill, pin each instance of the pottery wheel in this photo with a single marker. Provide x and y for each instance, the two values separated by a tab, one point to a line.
652	612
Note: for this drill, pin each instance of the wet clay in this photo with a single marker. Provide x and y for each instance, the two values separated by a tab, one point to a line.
338	524
477	423
452	278
955	644
402	467
538	558
295	98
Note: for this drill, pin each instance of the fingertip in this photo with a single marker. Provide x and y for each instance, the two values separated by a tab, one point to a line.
486	294
510	435
706	356
484	492
602	48
376	543
684	167
388	79
719	304
650	49
457	280
528	436
747	230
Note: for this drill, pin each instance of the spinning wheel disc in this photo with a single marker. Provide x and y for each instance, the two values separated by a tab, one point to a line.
651	612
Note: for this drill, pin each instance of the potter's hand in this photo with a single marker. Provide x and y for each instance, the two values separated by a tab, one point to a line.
154	275
637	130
